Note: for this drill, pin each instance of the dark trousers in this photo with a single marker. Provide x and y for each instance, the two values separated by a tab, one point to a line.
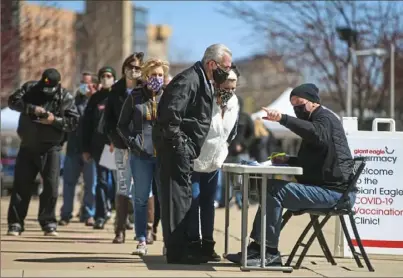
157	209
28	164
175	197
102	204
204	187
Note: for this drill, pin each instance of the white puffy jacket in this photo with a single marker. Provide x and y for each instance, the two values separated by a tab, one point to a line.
215	148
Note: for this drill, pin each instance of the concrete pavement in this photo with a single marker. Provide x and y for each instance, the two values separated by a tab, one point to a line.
80	251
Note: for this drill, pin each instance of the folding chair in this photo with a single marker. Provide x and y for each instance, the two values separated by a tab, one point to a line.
342	208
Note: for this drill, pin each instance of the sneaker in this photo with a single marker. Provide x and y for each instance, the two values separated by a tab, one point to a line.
14	230
253	251
50	231
141	249
64	222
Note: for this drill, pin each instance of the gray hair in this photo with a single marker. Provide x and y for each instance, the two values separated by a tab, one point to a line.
215	52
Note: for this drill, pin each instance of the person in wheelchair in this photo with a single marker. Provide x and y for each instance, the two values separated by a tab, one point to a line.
327	166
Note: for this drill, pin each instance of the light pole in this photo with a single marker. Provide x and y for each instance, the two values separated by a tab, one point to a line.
369	52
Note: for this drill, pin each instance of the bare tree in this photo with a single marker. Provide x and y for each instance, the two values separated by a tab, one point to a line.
32	40
305	34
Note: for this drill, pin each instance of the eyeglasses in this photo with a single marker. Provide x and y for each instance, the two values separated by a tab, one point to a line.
131	67
224	68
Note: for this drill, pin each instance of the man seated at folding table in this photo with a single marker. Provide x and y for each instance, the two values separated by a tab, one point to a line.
327	166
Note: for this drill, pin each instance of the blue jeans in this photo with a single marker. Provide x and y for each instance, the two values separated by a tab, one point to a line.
219	190
144	171
293	196
73	166
204	187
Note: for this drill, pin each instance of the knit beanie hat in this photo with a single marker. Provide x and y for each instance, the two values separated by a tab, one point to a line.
106	69
307	91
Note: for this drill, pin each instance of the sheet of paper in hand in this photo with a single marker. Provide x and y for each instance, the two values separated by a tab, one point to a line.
108	158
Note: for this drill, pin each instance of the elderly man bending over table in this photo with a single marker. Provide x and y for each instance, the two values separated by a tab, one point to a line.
327	166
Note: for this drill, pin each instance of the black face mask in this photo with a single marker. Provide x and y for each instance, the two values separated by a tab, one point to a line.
301	113
219	75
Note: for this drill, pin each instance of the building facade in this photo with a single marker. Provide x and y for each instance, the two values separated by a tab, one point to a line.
47	39
10	47
106	32
158	41
140	23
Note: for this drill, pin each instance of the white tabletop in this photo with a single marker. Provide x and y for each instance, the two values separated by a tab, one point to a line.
271	170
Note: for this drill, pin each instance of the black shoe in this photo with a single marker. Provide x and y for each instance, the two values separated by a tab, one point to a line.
64	222
50	231
99	224
14	230
190	255
254	258
207	251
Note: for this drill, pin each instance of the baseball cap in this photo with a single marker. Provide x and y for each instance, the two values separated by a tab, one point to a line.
50	80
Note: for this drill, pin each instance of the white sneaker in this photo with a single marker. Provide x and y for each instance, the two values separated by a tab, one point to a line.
141	249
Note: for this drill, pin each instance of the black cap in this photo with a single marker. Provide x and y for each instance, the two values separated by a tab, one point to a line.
307	91
50	78
106	69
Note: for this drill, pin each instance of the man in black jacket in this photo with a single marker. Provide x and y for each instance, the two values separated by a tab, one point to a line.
74	164
183	121
327	166
47	113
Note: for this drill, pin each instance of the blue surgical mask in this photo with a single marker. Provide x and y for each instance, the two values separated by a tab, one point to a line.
83	89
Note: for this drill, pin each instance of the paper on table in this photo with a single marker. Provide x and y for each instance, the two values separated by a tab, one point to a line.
267	163
108	158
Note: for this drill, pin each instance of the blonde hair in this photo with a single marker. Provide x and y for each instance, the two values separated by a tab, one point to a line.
260	129
151	64
232	76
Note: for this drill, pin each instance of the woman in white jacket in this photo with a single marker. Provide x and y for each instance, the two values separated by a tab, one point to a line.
205	175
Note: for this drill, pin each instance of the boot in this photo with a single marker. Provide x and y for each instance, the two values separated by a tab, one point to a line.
150	220
122	205
207	251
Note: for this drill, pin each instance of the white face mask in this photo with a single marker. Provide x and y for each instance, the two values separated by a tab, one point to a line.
132	74
107	82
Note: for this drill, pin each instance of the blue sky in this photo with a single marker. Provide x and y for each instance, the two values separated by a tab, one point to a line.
195	25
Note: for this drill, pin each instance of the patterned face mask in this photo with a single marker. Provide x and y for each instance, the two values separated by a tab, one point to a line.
155	83
224	95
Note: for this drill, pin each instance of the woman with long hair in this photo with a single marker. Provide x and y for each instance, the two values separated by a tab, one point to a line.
140	110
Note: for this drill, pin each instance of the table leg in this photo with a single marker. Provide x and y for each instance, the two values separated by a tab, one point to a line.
245	201
263	221
226	196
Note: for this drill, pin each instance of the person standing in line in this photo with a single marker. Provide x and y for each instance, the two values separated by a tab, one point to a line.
74	165
94	140
47	113
212	156
183	121
140	111
131	71
153	202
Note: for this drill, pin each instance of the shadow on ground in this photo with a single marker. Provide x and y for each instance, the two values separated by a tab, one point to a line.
98	259
158	262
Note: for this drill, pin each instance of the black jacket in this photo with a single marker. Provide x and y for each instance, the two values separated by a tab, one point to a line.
74	138
113	108
324	154
39	136
93	139
245	132
184	111
136	122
